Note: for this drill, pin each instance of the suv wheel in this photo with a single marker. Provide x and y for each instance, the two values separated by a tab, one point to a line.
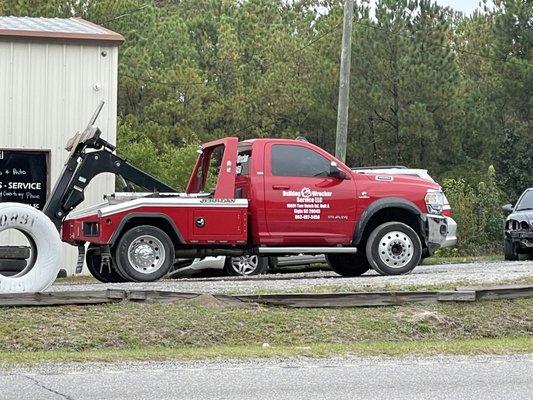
246	265
144	254
509	250
393	248
348	264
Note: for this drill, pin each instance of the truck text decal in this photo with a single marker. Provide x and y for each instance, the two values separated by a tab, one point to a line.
307	204
218	201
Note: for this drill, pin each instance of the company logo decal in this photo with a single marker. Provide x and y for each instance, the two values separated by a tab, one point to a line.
307	204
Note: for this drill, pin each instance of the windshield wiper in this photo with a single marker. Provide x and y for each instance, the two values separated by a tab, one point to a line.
524	209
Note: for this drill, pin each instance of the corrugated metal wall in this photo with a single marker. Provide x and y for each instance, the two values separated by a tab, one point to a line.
48	91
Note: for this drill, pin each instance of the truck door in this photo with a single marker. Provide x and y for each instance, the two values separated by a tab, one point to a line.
303	204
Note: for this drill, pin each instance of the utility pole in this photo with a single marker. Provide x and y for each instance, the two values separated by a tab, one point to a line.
344	82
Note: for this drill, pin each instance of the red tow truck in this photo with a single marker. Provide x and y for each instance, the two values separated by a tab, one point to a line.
270	197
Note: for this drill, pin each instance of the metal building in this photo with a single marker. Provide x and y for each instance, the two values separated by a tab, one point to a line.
53	74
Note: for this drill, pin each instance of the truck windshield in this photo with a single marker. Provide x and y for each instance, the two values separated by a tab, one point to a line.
525	202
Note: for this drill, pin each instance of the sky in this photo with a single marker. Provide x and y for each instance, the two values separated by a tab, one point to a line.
466	6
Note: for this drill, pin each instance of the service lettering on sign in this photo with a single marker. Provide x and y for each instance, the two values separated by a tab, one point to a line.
307	204
23	177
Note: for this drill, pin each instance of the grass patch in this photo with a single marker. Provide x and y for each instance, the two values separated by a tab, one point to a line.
379	348
134	329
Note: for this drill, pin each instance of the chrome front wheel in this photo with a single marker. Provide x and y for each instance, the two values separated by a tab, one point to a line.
393	248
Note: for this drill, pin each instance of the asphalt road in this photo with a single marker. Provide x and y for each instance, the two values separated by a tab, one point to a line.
486	377
458	274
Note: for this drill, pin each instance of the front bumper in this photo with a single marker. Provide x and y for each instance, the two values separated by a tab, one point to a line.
440	232
451	235
523	238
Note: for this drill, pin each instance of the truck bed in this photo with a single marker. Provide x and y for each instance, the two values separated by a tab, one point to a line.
197	219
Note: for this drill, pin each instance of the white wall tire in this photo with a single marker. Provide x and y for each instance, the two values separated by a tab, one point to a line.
41	272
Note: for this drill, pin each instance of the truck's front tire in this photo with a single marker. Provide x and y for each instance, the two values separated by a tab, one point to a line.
144	254
393	248
348	264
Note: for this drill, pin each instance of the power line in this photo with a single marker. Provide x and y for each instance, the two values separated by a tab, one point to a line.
129	12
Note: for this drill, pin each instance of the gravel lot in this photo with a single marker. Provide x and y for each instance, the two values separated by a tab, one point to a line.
457	274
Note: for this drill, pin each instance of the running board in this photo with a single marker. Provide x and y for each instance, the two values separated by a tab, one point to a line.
305	250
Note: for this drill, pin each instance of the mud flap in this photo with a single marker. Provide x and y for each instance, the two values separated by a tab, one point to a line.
81	258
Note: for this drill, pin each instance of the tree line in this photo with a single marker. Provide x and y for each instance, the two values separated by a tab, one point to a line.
430	87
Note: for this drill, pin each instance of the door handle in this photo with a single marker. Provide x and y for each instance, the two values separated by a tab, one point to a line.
281	187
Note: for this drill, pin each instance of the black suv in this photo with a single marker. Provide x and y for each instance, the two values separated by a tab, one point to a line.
518	229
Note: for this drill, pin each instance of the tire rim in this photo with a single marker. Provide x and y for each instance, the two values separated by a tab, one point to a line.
396	249
146	254
244	265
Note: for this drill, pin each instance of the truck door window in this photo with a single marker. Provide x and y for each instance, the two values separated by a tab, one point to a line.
292	160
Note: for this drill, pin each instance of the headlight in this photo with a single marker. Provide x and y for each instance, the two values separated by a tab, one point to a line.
434	201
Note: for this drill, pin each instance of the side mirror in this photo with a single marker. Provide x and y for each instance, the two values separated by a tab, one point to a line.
507	209
336	172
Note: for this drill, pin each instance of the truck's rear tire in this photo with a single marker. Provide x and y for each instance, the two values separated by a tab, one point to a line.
246	265
105	275
393	248
509	250
348	264
144	253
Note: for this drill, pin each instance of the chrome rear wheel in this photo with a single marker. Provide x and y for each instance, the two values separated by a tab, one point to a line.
146	254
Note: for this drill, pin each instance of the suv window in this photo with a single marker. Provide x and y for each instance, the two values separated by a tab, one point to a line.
289	160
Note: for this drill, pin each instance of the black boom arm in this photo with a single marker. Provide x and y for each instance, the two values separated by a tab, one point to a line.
82	166
68	192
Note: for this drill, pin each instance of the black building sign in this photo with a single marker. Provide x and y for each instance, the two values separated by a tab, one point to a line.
24	177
